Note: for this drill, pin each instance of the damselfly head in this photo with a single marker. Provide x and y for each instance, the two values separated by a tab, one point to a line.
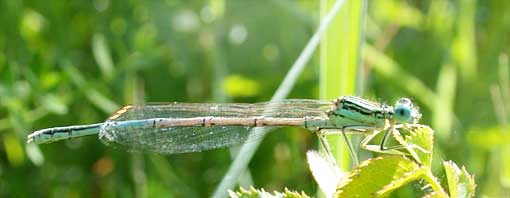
406	112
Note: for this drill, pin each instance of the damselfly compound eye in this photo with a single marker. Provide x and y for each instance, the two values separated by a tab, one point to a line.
404	111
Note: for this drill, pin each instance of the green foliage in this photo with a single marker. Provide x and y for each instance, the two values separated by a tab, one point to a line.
421	136
324	172
378	177
261	193
373	175
460	182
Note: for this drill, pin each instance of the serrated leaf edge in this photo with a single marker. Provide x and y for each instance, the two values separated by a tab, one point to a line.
253	192
356	171
416	130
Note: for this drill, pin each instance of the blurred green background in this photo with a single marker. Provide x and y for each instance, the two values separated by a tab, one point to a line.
76	62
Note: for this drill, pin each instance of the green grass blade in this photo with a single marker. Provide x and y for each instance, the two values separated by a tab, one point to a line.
464	45
339	62
442	117
248	149
102	55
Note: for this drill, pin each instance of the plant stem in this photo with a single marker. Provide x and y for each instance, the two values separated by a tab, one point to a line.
432	180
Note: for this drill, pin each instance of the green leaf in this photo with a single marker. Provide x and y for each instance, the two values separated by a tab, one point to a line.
421	136
385	173
460	182
261	193
403	180
325	174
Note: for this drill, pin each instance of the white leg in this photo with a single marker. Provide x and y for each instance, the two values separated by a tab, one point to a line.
355	129
381	148
327	148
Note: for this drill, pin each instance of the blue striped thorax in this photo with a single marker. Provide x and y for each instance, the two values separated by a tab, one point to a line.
351	110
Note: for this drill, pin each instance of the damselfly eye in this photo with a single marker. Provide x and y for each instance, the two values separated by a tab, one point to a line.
403	111
403	114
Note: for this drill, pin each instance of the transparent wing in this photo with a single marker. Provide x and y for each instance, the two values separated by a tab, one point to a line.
184	139
291	108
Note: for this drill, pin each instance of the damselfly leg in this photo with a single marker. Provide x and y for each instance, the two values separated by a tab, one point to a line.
395	149
327	149
391	129
355	129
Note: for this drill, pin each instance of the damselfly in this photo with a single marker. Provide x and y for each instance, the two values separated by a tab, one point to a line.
194	127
